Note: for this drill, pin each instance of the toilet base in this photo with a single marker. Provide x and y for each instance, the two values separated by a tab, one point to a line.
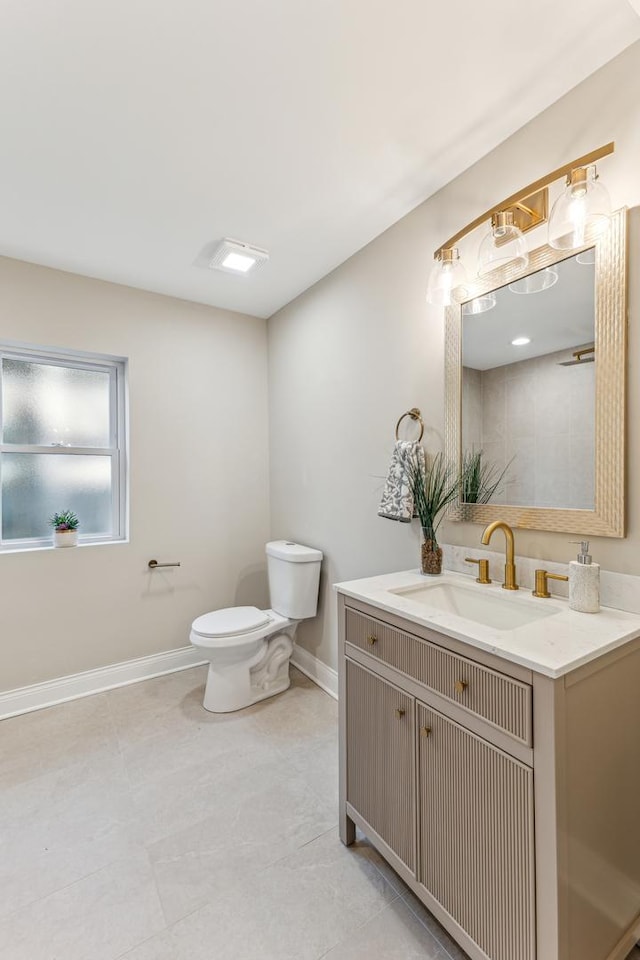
234	686
273	691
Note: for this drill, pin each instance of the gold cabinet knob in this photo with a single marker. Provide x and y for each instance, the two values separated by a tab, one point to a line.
461	686
400	713
425	731
371	640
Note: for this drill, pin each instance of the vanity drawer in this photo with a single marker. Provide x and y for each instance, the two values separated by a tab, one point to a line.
496	698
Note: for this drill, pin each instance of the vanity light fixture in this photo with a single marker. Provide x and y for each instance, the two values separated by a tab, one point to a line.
520	342
514	216
503	246
446	275
234	256
582	211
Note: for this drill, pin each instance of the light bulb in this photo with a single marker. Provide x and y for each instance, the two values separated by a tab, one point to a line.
503	246
447	275
582	211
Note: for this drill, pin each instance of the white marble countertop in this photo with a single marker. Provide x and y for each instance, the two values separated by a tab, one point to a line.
552	646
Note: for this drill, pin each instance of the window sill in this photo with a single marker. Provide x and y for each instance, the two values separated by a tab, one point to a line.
38	548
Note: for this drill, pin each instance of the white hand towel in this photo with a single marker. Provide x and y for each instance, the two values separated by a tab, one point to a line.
397	496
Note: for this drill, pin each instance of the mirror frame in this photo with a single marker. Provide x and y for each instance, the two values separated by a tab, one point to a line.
607	519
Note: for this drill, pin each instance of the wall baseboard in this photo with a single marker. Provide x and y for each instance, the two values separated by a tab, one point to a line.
322	675
37	696
40	695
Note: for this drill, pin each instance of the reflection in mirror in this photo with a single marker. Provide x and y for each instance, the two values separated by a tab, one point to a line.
528	385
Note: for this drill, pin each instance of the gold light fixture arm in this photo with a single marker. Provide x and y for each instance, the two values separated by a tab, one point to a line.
525	200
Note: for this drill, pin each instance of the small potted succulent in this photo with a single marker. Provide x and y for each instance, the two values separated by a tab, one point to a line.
65	528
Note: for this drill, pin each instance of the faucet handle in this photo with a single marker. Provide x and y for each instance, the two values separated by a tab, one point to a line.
483	569
542	587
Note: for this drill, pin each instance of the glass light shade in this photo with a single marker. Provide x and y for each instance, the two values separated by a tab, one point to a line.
479	305
535	282
587	258
446	275
503	246
581	213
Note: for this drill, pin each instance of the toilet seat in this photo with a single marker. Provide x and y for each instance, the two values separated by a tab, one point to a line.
265	623
230	622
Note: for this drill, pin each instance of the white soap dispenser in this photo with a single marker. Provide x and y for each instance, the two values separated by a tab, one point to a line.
584	581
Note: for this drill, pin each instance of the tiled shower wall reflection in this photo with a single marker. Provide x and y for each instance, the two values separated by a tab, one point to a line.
542	415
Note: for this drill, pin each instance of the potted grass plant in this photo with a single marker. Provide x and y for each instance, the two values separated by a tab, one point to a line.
65	528
436	484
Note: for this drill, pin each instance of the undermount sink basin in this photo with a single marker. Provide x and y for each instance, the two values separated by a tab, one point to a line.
492	609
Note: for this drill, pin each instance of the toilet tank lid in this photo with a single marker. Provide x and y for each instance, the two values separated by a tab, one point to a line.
230	621
293	552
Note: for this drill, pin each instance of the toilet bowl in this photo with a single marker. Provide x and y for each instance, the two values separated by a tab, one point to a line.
248	652
249	649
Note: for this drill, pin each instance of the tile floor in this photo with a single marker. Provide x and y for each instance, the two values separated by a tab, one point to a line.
136	826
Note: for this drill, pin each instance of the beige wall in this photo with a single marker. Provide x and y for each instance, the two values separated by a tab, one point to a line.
199	481
362	346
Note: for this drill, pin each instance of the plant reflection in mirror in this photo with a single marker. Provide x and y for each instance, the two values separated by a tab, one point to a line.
480	480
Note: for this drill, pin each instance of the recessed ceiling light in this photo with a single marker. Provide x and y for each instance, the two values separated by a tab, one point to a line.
234	256
520	342
238	261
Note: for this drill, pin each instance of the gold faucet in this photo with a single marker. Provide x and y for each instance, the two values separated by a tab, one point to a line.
509	566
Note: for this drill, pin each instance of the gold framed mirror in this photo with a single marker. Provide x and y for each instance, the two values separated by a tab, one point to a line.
535	382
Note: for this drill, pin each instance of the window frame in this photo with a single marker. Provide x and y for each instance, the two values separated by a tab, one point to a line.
116	368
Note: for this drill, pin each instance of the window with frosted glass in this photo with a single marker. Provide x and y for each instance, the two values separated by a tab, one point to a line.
61	445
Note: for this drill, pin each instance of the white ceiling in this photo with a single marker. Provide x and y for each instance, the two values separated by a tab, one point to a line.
559	318
136	132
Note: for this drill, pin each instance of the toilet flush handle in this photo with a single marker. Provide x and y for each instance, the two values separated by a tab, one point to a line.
153	564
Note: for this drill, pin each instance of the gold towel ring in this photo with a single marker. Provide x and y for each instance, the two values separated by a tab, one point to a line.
414	413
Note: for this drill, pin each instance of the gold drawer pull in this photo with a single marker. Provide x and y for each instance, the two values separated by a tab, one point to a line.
425	731
461	686
371	640
400	713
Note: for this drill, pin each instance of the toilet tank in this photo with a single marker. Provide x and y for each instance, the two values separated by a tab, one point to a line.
294	578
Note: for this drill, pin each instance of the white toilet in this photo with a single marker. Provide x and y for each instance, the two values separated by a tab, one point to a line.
249	649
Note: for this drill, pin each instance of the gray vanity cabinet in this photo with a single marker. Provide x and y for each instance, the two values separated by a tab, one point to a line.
456	810
507	800
381	774
476	835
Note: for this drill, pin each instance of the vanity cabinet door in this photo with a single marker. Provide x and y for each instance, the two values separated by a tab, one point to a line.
476	836
380	722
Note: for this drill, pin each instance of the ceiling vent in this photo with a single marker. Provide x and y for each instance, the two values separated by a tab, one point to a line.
234	256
